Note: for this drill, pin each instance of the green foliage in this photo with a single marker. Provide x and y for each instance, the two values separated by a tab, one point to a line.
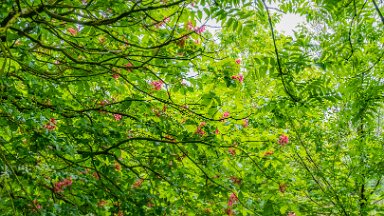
132	108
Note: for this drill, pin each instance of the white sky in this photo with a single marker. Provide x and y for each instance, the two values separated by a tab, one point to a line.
289	22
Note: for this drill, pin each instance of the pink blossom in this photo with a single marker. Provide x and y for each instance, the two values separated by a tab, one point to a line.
235	180
138	183
104	102
232	151
283	139
36	204
128	66
245	122
157	84
200	131
232	199
238	61
59	186
72	31
190	26
51	125
217	131
116	76
53	121
166	19
268	153
202	124
229	211
239	77
102	203
200	30
117	166
68	181
226	114
117	117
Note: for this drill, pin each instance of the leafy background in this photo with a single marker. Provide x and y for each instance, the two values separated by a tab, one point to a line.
132	108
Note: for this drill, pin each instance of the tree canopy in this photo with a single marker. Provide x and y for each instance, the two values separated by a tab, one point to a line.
177	107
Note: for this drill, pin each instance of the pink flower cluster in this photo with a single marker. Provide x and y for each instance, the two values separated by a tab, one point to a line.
36	204
138	183
157	84
283	140
198	30
225	115
104	102
59	186
232	199
128	66
51	125
238	61
229	211
235	180
190	26
232	151
102	203
72	31
268	153
217	132
116	76
199	129
239	77
245	123
117	117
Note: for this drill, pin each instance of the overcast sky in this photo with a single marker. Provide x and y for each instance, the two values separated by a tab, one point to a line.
288	23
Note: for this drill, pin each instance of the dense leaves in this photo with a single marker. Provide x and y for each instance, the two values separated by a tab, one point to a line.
146	108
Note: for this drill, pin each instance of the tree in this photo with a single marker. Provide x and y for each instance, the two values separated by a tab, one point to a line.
133	108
